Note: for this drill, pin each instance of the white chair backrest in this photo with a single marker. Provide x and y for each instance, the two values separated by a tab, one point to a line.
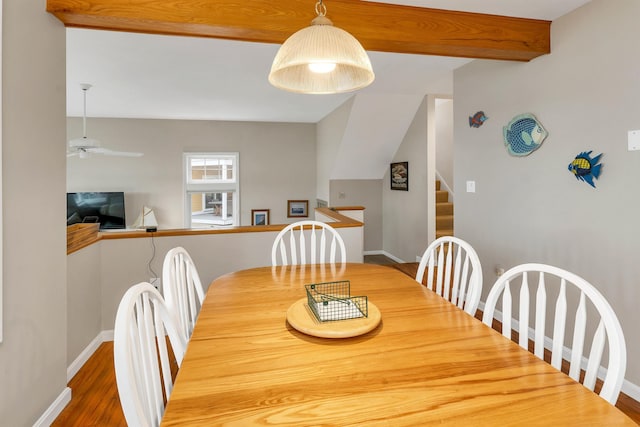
141	356
182	288
608	330
458	273
307	242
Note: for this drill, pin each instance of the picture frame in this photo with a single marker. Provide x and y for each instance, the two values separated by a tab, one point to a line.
259	216
399	174
297	208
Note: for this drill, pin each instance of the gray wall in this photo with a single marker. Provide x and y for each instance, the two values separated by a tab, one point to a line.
404	213
33	353
84	299
330	131
532	209
277	163
366	193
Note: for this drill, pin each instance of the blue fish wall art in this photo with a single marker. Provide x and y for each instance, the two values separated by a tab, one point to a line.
585	168
523	135
477	119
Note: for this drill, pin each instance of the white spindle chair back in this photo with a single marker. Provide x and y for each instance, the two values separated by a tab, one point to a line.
141	355
608	331
308	242
457	270
182	288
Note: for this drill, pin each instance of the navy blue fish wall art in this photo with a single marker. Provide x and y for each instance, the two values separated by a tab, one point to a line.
477	119
585	168
523	135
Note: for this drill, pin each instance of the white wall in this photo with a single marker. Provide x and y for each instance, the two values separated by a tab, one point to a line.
404	213
277	163
33	352
532	209
444	140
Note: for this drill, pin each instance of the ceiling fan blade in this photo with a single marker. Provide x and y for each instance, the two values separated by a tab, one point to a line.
107	152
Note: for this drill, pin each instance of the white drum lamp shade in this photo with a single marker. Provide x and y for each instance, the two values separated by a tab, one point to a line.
321	59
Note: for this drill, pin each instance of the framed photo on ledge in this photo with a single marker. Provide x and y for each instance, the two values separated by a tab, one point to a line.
400	176
297	208
259	216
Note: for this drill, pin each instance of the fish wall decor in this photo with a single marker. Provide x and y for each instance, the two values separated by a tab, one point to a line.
477	119
523	135
585	168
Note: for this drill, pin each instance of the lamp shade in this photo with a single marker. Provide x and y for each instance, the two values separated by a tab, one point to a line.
321	59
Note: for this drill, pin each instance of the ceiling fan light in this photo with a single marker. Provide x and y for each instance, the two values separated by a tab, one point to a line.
321	43
83	142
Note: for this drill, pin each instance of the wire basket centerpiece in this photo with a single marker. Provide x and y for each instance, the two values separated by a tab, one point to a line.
332	301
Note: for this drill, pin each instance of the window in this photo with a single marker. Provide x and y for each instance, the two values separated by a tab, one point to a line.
212	190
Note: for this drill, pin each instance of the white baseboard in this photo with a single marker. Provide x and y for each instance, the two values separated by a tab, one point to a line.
372	252
393	257
631	390
64	398
628	388
55	409
87	352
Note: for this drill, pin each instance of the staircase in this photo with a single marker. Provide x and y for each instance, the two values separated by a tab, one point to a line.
444	213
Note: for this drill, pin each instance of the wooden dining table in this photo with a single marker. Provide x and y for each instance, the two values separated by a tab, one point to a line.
426	362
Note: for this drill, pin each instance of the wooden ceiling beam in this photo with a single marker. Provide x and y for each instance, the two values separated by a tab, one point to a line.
378	26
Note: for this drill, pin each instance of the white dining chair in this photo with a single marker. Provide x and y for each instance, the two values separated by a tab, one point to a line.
307	242
141	354
572	290
453	272
182	288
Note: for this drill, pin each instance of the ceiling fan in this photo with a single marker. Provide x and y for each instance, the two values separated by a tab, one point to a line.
84	147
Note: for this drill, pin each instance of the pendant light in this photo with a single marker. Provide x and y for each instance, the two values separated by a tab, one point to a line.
321	59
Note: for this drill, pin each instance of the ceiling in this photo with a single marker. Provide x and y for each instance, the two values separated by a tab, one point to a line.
169	77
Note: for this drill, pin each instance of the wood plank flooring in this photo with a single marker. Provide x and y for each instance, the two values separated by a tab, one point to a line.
95	400
94	395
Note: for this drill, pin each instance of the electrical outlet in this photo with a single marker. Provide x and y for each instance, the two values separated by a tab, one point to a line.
155	281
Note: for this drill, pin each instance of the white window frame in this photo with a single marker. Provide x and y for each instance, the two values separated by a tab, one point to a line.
212	186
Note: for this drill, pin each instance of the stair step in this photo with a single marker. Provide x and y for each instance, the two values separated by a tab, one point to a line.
444	222
444	208
444	212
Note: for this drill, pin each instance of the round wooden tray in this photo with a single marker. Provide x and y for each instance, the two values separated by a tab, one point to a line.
301	318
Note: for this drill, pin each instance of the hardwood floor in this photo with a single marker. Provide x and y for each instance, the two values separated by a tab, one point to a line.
95	400
94	396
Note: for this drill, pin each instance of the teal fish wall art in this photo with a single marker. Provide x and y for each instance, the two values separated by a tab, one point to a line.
585	168
477	119
523	135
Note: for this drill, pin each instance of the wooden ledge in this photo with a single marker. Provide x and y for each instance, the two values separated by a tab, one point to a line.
85	239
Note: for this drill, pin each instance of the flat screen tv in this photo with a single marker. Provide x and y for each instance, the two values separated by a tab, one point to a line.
106	208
